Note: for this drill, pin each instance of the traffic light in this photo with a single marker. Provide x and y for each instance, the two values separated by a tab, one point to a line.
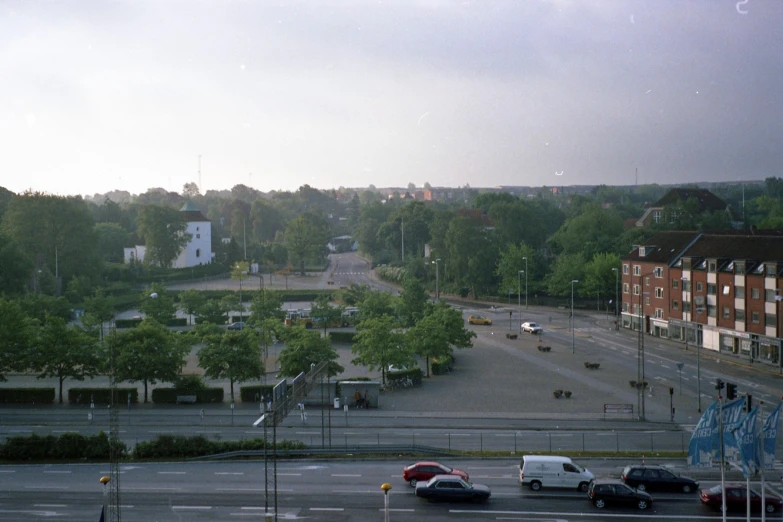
731	391
671	390
719	384
748	402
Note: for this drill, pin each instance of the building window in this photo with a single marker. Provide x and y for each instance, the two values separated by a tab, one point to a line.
726	290
712	266
754	293
770	320
739	268
659	313
625	307
726	312
712	289
625	269
637	270
771	270
658	292
675	305
198	252
675	284
646	281
699	287
625	288
647	301
686	286
739	315
754	317
636	290
686	306
658	272
657	216
739	291
769	296
711	310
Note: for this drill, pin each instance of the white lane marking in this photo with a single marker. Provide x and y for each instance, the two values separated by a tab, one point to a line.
229	473
345	475
203	508
7	471
58	472
172	472
141	488
372	492
50	505
664	366
45	487
289	474
400	510
252	489
326	509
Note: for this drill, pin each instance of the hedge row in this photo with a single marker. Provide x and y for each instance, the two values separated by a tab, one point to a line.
179	446
255	393
102	395
414	375
136	321
169	395
342	337
442	365
27	395
68	446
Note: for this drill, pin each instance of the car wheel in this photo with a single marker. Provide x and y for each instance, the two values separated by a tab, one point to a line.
641	487
687	488
643	504
600	503
412	482
769	508
535	485
583	487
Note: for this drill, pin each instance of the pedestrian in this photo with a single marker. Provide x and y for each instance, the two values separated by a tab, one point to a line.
268	402
357	397
202	413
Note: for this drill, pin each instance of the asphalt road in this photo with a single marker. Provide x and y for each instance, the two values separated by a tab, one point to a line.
323	491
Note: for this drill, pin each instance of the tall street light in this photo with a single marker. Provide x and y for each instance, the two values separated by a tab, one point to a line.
519	289
573	344
437	277
616	290
698	360
525	282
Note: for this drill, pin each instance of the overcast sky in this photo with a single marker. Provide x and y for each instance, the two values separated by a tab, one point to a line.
104	95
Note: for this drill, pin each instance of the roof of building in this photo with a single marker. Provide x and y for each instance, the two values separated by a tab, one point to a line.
706	199
191	213
736	247
663	247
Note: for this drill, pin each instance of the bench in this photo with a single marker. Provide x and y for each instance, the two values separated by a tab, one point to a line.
592	366
186	399
544	348
511	336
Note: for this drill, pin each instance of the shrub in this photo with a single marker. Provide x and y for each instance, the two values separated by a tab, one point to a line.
414	375
441	365
255	393
342	337
68	446
127	323
27	395
168	446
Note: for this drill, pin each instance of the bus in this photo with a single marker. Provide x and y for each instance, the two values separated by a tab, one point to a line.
301	316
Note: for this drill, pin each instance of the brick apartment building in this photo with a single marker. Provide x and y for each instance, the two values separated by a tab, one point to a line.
721	290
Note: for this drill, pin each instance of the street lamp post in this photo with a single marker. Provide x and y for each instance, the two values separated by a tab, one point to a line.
386	487
616	290
573	340
105	481
525	282
698	362
437	281
519	289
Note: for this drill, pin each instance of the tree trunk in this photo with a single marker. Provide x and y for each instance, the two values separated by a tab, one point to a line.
145	391
61	390
302	266
232	390
427	361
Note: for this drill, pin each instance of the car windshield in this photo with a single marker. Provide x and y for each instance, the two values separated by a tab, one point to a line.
446	468
715	489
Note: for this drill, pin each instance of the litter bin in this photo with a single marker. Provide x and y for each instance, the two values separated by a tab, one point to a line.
337	403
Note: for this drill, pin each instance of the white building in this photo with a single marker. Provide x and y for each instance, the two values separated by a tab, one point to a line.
197	252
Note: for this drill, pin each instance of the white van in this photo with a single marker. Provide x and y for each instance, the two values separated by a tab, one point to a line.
539	471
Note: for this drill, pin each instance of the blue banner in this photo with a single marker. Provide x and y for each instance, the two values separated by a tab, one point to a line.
700	446
747	441
770	437
732	415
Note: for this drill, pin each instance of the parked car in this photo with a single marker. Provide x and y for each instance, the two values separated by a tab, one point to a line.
551	471
736	499
532	328
452	488
423	471
603	492
657	478
479	319
236	326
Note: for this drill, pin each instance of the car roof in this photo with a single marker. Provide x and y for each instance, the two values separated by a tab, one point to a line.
427	463
647	466
446	477
608	481
546	458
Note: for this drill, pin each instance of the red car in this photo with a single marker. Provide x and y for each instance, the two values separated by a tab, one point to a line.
736	499
423	471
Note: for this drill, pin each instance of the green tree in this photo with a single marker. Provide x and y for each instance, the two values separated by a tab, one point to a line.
239	272
38	306
599	279
17	332
304	348
378	344
97	310
377	304
324	314
163	230
305	238
148	353
111	241
65	352
513	259
191	301
568	267
17	268
213	311
593	231
266	304
355	293
234	355
157	304
437	333
412	302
